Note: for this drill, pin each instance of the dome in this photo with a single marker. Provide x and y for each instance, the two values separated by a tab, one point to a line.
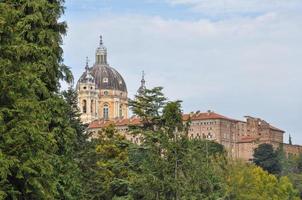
104	76
87	76
108	78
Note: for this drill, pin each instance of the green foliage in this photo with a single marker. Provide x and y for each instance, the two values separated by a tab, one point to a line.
44	153
36	134
148	107
167	164
266	157
296	179
252	183
113	164
299	163
291	167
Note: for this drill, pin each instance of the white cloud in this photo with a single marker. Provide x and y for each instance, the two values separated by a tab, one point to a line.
238	66
214	7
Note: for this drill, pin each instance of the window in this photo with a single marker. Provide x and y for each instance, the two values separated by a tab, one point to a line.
106	112
91	106
121	111
106	93
105	80
98	58
84	88
84	108
102	58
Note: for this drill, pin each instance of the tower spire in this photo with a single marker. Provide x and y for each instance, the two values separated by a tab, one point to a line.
101	40
142	88
143	82
87	66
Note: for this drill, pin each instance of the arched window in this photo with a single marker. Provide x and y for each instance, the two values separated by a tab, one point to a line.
121	111
84	106
98	58
106	112
91	106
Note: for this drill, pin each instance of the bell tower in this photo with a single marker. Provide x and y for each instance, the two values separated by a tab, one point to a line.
88	96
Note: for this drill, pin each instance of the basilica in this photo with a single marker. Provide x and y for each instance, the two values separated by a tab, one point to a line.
102	91
103	100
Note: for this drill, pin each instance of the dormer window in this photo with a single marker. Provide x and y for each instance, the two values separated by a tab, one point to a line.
105	80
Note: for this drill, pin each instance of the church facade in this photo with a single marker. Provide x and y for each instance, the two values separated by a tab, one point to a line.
103	100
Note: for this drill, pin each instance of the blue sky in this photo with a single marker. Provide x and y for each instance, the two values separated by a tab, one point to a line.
236	57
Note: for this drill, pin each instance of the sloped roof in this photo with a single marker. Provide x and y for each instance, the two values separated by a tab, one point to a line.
276	129
195	116
118	122
205	116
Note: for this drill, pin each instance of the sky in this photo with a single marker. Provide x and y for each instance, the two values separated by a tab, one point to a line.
235	57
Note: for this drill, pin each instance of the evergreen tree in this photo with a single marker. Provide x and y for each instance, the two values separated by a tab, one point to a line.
290	140
148	106
36	136
266	157
73	114
168	165
107	173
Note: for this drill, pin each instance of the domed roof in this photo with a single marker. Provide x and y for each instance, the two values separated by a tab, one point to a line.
108	78
87	76
104	76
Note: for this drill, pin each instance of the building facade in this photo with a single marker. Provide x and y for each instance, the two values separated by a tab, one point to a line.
102	91
239	138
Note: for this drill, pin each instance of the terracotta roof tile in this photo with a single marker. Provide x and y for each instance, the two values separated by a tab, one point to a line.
119	122
205	116
136	121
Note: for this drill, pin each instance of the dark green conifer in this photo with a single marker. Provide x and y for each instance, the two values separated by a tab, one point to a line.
36	135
